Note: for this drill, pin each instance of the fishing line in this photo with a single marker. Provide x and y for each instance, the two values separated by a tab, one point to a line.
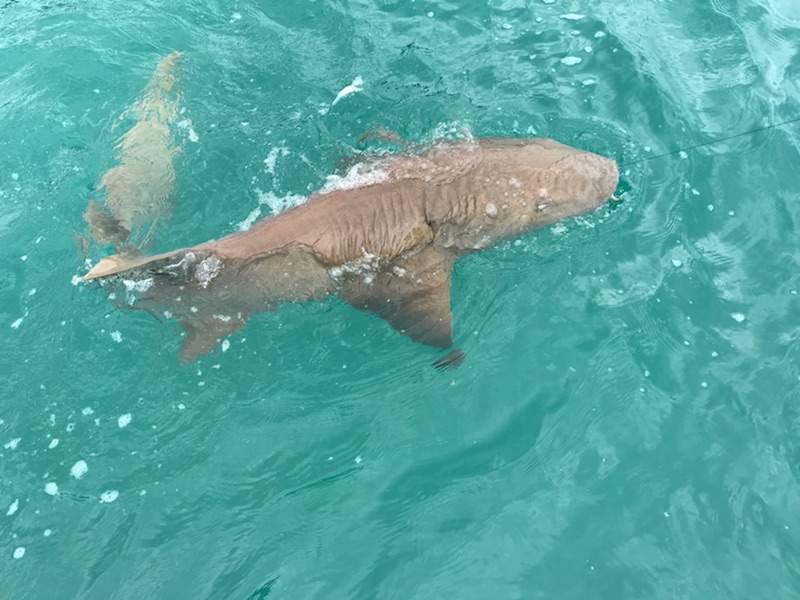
717	141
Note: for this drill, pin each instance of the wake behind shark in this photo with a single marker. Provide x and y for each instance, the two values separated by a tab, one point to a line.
386	246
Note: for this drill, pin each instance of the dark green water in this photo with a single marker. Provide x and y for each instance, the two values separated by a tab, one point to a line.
627	423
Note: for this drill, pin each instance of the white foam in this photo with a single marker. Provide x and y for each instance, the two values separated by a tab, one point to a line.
47	532
187	125
17	323
278	204
272	158
124	420
137	285
571	60
356	86
13	507
366	266
109	496
88	411
12	444
51	488
358	176
738	317
572	17
207	270
76	279
116	336
247	223
79	469
225	345
453	130
53	443
19	552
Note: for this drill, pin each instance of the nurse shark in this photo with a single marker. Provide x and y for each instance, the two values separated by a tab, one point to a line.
384	239
138	189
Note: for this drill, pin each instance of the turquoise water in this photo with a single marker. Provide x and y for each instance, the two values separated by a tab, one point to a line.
627	421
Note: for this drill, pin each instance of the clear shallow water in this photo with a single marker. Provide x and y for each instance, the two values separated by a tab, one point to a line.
627	424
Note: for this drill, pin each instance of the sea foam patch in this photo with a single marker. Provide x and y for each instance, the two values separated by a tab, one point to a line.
79	469
276	205
360	175
13	508
109	496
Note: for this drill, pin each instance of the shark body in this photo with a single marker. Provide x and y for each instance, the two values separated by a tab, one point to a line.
385	243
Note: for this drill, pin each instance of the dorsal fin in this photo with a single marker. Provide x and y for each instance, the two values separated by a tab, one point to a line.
412	294
119	263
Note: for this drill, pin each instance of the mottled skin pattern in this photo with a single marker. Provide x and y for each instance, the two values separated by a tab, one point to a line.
386	247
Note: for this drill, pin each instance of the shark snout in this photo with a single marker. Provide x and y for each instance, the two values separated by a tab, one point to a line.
601	173
586	180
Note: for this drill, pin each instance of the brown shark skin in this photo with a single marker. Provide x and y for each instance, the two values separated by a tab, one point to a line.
387	247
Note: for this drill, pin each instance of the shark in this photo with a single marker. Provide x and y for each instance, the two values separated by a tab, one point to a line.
384	238
138	189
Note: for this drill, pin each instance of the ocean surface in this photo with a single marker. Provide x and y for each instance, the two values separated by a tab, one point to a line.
627	421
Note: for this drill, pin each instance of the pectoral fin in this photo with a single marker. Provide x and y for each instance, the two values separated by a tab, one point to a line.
203	333
412	294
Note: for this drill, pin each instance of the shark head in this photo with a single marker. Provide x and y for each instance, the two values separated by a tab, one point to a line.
576	183
519	185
